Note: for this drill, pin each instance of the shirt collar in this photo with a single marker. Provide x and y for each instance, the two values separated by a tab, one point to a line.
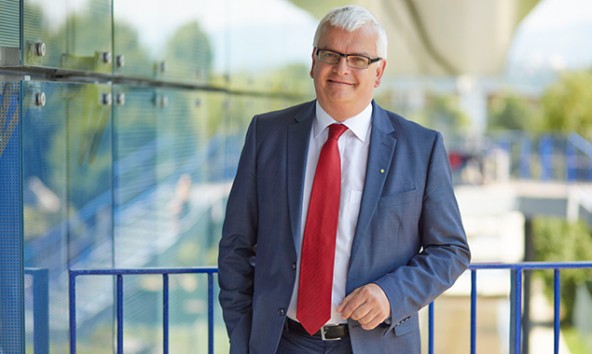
358	124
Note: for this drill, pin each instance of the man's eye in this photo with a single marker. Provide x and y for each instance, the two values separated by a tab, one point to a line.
357	60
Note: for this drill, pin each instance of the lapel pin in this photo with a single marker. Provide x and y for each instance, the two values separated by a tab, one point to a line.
382	170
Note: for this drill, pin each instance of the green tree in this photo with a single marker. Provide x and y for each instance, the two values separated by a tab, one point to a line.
567	104
512	112
556	240
189	53
443	113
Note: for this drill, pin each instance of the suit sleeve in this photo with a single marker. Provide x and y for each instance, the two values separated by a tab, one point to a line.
444	251
237	248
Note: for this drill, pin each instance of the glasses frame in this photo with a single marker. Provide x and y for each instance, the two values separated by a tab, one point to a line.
346	56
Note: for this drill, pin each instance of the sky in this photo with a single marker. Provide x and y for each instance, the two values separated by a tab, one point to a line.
555	35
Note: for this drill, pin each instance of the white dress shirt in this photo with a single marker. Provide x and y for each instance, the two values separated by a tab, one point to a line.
353	149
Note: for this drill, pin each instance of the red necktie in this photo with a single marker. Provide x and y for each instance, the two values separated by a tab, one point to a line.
318	248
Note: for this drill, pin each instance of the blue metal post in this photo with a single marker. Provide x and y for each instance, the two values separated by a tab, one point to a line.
41	311
72	306
431	328
12	316
570	162
165	313
516	312
210	313
473	311
556	309
546	157
119	314
525	157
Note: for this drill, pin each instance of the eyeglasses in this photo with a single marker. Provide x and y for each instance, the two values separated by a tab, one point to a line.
355	61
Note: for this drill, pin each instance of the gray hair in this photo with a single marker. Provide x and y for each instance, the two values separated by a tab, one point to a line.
351	18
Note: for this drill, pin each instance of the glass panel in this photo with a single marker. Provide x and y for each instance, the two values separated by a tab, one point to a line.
171	41
165	142
135	177
9	24
169	199
66	198
188	316
68	34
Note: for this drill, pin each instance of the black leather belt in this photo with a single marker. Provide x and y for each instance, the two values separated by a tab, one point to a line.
328	332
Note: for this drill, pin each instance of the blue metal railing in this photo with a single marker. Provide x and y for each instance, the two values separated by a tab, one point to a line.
40	291
119	273
578	155
516	269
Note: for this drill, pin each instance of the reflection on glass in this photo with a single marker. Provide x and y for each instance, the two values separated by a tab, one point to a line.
67	204
9	25
70	35
169	40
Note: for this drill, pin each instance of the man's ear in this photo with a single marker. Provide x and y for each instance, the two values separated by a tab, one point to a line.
380	67
313	62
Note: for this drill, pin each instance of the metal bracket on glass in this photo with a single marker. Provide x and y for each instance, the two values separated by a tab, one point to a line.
120	60
106	99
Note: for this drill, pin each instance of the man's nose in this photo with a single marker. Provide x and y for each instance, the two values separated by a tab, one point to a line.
341	66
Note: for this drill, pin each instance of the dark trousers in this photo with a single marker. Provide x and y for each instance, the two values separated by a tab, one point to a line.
295	343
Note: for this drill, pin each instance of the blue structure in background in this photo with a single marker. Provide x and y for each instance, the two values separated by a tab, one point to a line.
11	241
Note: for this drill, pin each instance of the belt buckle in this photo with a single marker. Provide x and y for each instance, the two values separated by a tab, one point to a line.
323	334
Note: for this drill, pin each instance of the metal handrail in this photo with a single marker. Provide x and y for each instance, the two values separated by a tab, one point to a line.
119	273
516	269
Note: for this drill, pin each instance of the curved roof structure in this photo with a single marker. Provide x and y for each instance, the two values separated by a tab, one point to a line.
442	38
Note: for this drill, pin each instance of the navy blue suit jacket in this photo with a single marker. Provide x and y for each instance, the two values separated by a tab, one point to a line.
409	237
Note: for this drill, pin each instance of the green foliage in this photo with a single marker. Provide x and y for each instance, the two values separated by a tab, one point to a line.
439	111
126	42
512	112
556	240
190	52
291	79
567	105
575	340
444	114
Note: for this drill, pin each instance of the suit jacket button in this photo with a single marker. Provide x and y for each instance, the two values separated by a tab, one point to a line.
282	312
293	266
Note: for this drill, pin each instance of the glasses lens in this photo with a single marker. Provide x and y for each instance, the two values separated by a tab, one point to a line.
327	56
358	62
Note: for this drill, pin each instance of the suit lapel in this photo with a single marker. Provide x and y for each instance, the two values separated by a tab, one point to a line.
297	149
380	156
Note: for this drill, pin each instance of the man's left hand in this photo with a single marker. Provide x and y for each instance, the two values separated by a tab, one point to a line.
367	304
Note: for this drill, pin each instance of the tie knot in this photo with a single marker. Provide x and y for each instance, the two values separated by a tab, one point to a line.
335	130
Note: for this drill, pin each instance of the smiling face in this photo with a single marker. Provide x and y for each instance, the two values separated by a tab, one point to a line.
343	91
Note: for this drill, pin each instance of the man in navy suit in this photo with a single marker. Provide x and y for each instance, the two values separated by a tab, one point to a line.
399	241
